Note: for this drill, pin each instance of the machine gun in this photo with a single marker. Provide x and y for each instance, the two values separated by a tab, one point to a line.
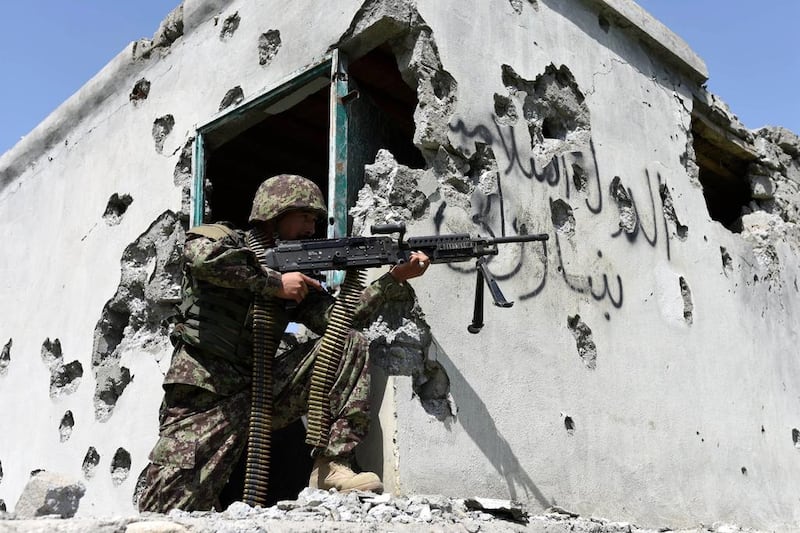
317	255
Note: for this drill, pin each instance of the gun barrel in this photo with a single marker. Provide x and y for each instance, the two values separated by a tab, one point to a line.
519	238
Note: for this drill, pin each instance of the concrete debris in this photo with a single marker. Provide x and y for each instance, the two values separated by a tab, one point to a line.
392	192
775	181
48	493
719	113
505	509
356	512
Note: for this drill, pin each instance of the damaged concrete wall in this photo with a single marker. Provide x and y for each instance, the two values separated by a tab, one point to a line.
647	369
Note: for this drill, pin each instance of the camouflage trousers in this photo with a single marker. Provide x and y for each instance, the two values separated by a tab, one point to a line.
202	434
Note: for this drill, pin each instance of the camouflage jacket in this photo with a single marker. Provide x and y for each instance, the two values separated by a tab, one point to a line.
221	277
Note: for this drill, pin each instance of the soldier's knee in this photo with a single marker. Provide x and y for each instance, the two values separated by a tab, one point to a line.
171	478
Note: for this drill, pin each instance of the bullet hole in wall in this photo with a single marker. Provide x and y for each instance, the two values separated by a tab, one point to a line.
51	352
140	91
233	97
269	44
5	357
628	219
65	427
229	26
162	127
64	379
116	207
120	466
90	462
562	217
727	262
580	178
517	5
553	106
569	424
681	231
796	438
505	110
583	340
688	305
744	470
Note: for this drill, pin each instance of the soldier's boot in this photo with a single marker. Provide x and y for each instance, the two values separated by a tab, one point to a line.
328	473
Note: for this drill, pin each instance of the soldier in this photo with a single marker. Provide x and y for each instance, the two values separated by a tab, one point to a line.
204	414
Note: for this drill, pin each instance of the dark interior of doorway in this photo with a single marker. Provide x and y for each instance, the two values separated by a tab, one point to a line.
296	141
723	160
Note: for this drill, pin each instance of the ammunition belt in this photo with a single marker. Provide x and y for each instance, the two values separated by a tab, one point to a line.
329	357
265	345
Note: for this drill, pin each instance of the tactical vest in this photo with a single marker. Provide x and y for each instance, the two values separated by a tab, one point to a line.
216	320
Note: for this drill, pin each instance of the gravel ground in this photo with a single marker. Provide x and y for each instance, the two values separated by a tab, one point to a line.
327	512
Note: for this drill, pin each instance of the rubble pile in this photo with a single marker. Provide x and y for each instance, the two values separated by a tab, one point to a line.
321	512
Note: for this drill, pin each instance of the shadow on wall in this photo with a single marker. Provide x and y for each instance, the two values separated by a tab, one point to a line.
482	430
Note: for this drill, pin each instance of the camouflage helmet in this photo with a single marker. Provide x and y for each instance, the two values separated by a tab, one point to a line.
284	192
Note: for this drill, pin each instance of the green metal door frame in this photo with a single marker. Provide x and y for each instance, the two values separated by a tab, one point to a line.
337	167
335	66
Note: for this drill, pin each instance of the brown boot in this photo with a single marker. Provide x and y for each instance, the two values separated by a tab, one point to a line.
328	473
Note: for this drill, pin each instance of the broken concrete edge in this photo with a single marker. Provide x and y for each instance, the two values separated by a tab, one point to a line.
112	79
48	494
663	40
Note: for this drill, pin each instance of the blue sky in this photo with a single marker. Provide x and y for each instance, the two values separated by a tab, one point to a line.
50	48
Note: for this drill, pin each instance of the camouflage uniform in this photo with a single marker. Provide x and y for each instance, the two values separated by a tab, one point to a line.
204	415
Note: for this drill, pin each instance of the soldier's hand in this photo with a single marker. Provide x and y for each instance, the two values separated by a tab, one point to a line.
416	266
296	286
